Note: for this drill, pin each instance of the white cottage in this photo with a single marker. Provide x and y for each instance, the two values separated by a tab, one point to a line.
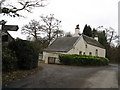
78	44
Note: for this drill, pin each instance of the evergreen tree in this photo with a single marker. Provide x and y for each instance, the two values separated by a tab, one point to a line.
94	33
87	31
102	38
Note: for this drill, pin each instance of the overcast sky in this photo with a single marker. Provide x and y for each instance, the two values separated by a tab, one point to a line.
72	12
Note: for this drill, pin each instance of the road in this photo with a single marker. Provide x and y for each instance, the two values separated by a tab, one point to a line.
61	76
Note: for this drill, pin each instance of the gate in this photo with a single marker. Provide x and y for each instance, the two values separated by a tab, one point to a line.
51	60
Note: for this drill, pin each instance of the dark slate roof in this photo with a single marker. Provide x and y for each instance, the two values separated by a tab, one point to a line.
92	41
62	44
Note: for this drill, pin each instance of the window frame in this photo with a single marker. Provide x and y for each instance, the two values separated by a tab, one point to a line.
90	53
80	52
96	52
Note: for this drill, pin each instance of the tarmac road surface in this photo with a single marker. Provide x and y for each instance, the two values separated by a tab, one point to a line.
61	76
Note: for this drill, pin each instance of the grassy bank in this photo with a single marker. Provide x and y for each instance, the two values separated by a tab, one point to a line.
18	74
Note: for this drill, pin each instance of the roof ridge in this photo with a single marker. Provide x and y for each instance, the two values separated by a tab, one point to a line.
97	42
77	40
88	36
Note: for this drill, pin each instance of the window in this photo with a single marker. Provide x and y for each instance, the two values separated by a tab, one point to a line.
86	45
90	53
96	52
84	53
80	52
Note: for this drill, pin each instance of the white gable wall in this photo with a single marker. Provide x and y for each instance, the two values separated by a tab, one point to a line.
46	55
81	46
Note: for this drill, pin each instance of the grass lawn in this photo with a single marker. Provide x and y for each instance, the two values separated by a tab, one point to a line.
18	74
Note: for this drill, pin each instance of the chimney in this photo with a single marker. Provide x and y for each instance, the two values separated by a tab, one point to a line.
77	30
96	38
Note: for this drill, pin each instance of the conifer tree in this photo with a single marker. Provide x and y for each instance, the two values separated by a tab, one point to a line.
87	31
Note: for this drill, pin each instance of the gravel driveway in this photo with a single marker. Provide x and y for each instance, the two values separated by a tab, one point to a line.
61	76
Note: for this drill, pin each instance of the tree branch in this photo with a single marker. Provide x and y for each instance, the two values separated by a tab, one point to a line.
26	5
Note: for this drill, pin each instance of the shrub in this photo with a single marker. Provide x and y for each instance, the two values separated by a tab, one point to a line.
9	60
26	53
74	59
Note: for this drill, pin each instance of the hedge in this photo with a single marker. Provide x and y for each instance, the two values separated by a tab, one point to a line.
9	60
74	59
26	53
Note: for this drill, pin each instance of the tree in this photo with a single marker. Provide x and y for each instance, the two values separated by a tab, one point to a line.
106	36
50	26
26	5
32	29
94	33
68	34
87	30
110	34
118	54
59	33
102	38
41	44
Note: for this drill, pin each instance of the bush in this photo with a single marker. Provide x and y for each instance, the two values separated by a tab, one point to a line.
74	59
9	60
26	53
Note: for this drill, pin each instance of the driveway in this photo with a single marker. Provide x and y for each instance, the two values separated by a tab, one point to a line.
61	76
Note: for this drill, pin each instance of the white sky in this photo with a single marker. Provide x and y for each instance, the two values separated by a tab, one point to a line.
72	12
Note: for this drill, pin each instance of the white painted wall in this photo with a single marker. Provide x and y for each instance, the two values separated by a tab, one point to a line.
101	51
81	46
51	54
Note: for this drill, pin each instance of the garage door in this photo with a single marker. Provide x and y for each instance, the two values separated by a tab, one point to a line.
51	60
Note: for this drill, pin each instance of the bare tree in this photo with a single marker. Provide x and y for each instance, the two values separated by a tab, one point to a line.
59	33
51	26
68	34
27	5
32	29
110	34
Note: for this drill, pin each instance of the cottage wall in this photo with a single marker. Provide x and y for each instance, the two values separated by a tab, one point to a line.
86	49
80	46
92	49
46	55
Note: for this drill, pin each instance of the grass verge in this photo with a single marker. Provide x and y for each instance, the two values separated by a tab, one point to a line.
18	74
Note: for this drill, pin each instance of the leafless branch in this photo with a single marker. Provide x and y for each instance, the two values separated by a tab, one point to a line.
25	5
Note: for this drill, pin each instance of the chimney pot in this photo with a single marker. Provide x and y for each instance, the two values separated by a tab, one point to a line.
77	30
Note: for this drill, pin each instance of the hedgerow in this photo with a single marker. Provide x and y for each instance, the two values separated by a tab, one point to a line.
74	59
9	60
26	54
